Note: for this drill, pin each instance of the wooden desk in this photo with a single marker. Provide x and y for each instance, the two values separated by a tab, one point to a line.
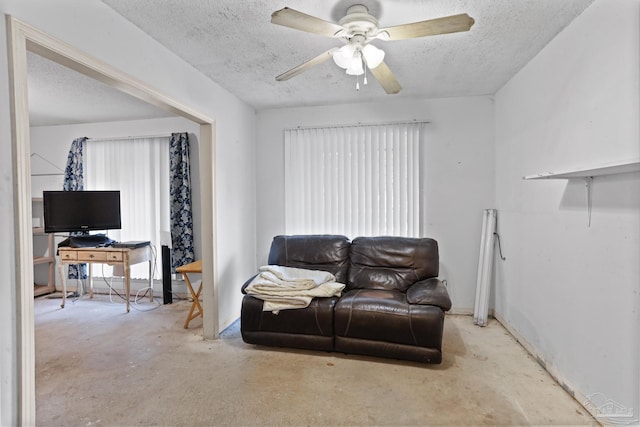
113	256
193	267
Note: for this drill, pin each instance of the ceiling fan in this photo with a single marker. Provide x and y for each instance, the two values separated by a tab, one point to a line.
356	29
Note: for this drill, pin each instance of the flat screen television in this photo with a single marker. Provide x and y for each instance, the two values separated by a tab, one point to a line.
81	211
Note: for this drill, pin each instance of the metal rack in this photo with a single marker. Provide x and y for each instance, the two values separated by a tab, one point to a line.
43	257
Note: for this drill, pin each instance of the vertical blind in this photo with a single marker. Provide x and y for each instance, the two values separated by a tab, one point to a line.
353	180
139	168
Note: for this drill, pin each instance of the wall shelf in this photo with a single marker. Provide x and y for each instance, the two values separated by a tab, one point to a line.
589	173
46	257
603	169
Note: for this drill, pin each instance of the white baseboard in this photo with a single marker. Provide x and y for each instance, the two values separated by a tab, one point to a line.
550	368
460	311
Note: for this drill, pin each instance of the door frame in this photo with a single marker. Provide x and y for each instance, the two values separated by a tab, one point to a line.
22	38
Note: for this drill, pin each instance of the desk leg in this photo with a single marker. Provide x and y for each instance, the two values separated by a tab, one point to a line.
64	284
90	280
127	282
150	280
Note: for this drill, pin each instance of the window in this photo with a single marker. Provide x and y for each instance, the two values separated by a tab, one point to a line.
353	180
139	168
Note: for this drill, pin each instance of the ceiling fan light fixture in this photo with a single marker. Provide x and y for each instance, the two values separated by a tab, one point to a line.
356	68
372	55
344	56
356	29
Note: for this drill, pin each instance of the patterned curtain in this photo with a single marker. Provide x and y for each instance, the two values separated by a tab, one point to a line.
74	181
180	201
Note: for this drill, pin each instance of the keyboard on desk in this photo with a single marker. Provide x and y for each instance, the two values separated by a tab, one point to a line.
131	244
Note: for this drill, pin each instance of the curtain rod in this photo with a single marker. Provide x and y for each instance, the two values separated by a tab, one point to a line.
118	138
359	124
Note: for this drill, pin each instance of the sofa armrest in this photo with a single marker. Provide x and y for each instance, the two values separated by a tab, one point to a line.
429	292
244	287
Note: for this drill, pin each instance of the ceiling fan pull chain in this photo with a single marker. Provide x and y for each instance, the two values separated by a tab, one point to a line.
357	83
365	72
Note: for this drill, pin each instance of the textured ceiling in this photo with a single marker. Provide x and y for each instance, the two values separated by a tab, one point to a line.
235	45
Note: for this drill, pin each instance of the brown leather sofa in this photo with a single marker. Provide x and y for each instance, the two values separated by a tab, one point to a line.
392	306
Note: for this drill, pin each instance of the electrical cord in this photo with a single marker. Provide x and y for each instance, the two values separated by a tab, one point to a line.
499	246
75	296
135	302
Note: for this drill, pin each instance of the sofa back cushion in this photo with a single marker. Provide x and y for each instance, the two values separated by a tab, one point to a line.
314	252
391	263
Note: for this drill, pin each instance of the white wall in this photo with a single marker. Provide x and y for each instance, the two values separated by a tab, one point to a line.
53	142
571	290
458	181
91	26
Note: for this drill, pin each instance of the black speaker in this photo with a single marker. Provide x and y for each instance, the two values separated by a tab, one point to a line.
166	275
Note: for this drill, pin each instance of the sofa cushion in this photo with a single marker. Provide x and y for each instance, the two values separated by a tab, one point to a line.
386	316
314	252
431	291
317	319
391	263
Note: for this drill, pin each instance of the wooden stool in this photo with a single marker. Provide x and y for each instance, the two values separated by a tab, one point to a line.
193	267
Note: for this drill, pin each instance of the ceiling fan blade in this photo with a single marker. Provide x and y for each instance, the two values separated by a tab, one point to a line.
432	27
301	21
306	65
385	77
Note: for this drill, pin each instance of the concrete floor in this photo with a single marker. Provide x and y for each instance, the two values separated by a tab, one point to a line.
98	365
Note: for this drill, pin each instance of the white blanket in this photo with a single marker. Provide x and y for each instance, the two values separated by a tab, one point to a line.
283	288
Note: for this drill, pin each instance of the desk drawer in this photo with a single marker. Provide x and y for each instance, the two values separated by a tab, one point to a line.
114	256
68	255
92	256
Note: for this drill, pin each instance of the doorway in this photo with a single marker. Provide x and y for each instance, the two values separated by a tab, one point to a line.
23	38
